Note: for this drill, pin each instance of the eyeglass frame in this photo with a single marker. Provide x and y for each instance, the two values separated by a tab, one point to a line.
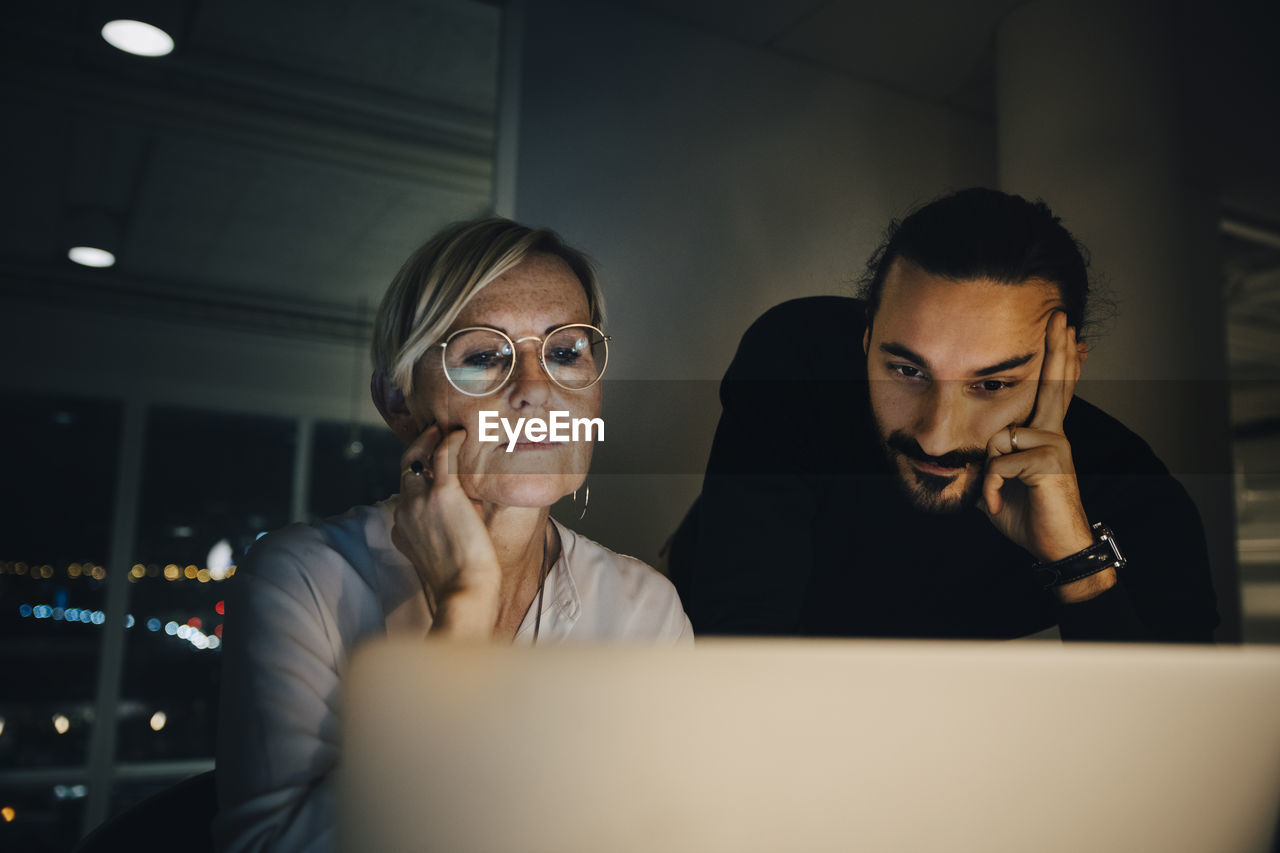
515	355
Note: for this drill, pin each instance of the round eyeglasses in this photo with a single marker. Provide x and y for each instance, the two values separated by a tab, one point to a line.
479	360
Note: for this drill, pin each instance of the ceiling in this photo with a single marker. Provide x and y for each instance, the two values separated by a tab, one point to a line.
938	51
277	167
274	170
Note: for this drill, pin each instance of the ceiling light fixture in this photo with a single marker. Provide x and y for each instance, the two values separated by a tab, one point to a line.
93	236
138	38
91	256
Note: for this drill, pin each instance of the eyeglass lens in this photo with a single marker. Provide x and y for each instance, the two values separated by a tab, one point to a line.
478	361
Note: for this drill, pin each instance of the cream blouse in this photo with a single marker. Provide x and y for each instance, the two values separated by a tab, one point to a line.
302	600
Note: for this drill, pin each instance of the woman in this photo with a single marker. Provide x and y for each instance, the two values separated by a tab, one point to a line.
488	316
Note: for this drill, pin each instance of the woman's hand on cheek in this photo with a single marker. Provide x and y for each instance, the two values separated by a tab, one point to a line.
440	530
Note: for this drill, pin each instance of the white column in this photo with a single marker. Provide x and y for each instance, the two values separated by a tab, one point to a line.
300	492
1090	118
507	116
122	550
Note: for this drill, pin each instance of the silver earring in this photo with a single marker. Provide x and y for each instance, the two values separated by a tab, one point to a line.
585	500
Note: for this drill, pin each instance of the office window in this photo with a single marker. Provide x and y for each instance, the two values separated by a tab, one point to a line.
352	465
211	483
56	501
56	498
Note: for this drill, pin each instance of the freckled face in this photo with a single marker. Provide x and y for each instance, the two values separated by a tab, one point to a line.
952	363
538	295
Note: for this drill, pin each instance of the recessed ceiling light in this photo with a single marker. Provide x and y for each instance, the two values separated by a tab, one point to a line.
88	256
137	38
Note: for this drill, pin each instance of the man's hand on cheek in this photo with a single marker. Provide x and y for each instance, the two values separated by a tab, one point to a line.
1029	489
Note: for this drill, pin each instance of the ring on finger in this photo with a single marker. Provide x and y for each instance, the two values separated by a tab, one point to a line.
415	468
1013	437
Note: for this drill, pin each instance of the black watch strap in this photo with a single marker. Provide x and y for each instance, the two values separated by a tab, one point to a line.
1103	554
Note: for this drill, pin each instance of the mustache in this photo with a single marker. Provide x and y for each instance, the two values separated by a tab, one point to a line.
959	458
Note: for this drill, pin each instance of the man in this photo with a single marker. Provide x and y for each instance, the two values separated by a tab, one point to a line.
914	464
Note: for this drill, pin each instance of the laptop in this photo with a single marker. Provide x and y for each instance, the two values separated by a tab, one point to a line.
810	745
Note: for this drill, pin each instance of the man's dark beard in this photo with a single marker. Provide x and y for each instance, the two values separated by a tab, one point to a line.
925	492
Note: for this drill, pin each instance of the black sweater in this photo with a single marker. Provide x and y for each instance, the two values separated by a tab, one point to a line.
802	529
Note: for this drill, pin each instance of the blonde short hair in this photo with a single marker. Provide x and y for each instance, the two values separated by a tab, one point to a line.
439	278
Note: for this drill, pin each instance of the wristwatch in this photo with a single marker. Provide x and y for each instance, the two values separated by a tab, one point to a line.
1103	554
